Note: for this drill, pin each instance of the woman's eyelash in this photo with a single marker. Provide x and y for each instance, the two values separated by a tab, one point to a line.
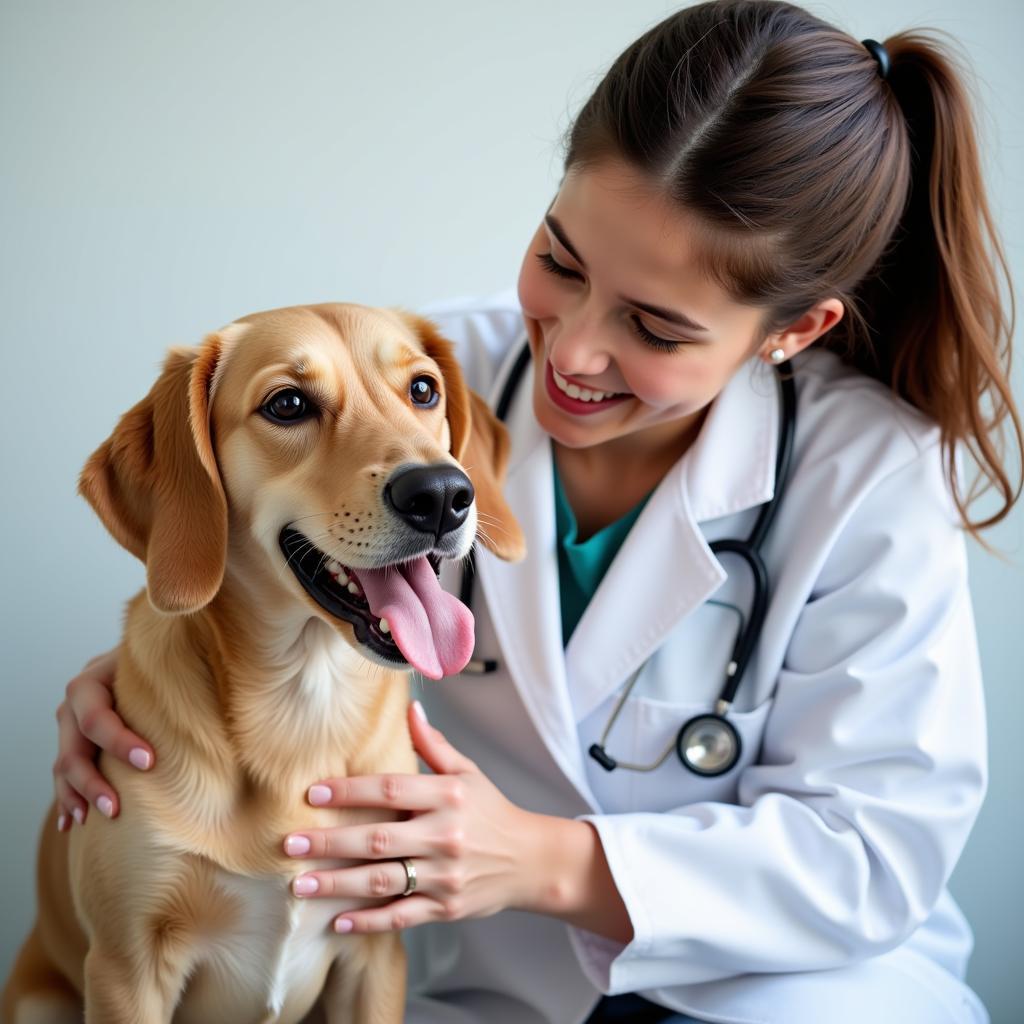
654	340
547	261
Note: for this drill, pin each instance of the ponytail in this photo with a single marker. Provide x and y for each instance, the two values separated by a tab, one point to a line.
813	177
940	331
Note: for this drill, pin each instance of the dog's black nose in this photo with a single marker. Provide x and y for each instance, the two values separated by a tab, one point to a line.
432	499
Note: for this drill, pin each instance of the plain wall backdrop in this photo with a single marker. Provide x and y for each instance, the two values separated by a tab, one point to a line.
167	168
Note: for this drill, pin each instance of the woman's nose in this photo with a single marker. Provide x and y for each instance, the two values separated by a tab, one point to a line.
579	349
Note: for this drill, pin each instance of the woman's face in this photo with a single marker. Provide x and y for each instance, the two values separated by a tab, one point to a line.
615	306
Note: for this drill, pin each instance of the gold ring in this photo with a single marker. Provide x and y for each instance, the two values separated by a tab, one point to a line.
410	876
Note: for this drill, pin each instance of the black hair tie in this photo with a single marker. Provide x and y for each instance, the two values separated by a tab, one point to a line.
880	53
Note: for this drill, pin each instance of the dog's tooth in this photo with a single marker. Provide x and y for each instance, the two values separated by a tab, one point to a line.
353	587
384	627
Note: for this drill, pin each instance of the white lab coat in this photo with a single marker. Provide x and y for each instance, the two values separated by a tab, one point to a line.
808	884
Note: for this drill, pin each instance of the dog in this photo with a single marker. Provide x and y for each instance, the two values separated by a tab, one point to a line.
291	485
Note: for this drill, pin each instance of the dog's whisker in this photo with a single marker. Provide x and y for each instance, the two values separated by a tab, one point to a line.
489	528
485	535
490	520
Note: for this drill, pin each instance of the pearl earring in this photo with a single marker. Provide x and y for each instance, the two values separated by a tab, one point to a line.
777	355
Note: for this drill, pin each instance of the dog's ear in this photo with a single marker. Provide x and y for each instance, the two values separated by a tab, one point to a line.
479	442
155	484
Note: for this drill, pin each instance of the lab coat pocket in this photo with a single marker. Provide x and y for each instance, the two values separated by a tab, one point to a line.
645	728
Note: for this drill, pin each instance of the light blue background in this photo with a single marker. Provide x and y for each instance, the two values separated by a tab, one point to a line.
169	167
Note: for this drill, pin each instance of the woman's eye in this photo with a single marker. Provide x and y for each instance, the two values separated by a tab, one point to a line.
547	261
287	406
654	340
423	392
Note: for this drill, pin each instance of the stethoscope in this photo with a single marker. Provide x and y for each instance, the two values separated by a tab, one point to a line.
707	744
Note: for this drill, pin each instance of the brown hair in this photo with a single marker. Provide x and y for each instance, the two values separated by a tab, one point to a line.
812	176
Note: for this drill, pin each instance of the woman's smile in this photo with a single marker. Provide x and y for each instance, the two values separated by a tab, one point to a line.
576	399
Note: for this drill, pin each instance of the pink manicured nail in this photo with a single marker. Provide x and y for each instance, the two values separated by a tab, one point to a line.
305	885
140	758
61	822
296	845
343	925
106	805
319	794
79	815
418	708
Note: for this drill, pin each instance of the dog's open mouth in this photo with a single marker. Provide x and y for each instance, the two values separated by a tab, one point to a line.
399	611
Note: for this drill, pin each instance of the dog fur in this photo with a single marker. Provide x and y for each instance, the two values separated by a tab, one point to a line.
180	909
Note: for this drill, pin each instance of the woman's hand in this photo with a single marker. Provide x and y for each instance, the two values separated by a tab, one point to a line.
466	842
474	852
88	723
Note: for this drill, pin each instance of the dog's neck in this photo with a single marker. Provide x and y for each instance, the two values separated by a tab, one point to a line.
275	692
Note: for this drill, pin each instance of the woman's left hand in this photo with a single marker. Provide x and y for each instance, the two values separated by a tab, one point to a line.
473	851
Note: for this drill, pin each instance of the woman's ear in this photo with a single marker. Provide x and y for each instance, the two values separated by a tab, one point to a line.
155	484
479	442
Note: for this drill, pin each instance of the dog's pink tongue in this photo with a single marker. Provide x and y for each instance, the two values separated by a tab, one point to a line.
433	629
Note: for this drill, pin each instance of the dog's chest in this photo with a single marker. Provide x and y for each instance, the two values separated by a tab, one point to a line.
270	965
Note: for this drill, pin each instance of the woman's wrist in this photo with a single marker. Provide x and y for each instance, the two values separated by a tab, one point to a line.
568	877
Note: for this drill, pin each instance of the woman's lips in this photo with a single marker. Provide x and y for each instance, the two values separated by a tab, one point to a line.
575	405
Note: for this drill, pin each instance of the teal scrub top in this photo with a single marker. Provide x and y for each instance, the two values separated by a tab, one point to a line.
582	564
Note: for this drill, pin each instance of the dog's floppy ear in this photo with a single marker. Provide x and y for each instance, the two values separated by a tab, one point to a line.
155	484
479	441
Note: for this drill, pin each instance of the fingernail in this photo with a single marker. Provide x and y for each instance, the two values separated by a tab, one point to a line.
140	758
305	885
343	925
79	815
418	708
61	822
319	794
106	805
296	845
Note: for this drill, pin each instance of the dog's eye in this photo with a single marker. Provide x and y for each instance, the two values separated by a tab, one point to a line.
287	406
423	391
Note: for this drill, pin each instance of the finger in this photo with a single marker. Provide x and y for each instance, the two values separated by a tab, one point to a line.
91	702
81	776
76	779
398	792
380	841
406	912
104	665
72	806
368	881
441	757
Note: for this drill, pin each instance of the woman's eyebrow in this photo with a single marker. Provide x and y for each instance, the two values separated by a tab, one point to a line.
661	312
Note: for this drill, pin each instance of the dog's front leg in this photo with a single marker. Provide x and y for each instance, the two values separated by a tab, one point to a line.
121	989
368	987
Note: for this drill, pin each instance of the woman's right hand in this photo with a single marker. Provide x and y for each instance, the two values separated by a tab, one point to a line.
88	723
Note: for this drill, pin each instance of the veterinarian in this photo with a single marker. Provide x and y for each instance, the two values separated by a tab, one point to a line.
750	196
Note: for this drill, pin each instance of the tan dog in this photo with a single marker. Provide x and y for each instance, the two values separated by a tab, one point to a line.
289	484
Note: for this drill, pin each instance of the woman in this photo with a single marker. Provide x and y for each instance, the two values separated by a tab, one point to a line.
747	189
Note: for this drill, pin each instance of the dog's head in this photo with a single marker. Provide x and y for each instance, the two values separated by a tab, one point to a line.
333	450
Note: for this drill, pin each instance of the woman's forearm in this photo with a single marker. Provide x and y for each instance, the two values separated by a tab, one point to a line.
570	878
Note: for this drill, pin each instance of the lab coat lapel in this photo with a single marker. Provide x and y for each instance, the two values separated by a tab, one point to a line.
523	597
665	567
664	570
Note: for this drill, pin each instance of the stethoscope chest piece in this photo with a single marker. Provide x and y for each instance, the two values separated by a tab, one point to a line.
709	745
